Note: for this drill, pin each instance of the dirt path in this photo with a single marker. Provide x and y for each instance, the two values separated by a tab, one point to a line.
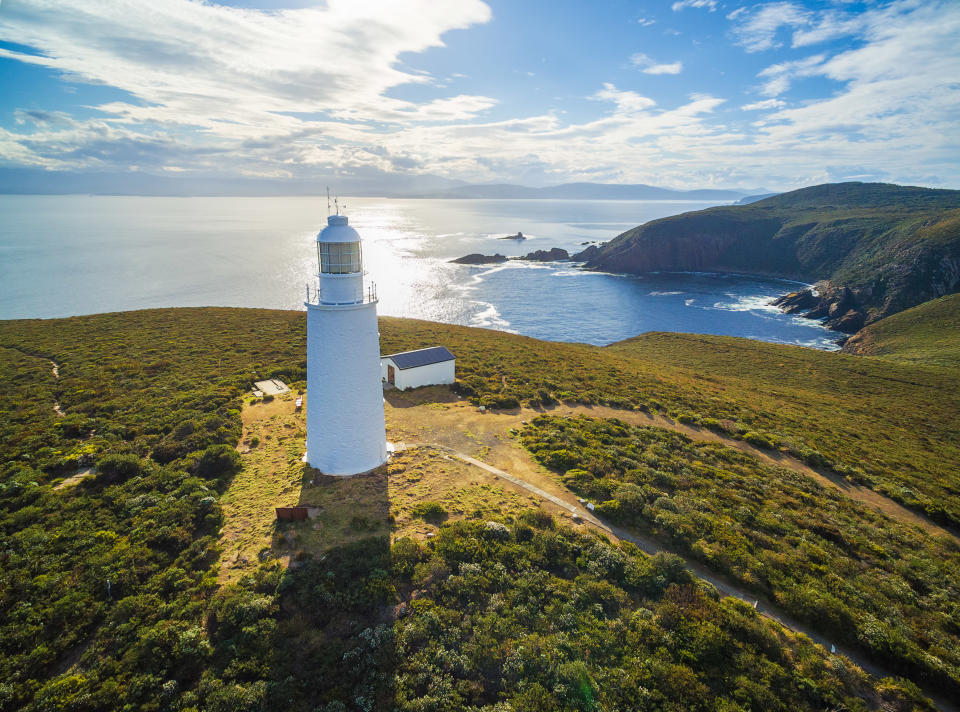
449	423
482	441
77	477
825	478
55	370
724	585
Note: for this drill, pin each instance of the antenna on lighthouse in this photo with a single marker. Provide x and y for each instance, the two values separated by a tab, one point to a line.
328	201
336	204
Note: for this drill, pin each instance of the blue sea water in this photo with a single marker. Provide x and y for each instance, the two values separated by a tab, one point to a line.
68	255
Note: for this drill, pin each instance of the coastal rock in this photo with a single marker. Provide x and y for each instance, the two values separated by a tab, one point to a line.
795	302
851	322
587	254
518	236
477	259
551	255
837	304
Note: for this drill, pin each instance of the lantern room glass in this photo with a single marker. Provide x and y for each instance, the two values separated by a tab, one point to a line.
338	257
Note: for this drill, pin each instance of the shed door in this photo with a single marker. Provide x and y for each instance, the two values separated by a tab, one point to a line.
391	375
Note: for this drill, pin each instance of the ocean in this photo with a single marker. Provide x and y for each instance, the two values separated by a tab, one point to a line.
70	255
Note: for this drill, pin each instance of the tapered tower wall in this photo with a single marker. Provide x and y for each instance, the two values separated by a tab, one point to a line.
345	420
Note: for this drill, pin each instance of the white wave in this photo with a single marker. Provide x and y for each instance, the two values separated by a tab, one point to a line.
664	294
748	303
577	273
489	317
688	302
511	264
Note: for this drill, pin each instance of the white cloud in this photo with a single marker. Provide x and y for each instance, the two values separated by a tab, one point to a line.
199	63
897	108
780	76
222	91
671	68
831	25
647	65
757	29
645	21
711	5
764	105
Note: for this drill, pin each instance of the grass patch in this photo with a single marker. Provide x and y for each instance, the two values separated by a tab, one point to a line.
927	334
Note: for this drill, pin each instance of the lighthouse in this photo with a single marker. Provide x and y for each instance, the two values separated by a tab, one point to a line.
345	423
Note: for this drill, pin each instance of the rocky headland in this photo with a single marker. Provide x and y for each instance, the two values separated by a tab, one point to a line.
872	249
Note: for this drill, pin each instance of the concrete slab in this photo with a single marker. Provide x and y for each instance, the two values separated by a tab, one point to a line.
272	387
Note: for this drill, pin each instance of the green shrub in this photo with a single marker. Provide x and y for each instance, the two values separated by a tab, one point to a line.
432	512
120	468
758	440
217	461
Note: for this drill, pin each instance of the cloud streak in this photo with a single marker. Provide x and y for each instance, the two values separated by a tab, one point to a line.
295	94
648	65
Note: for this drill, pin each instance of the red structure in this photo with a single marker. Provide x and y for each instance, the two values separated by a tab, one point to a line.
294	514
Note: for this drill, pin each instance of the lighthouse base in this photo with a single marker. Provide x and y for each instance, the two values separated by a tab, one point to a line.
346	433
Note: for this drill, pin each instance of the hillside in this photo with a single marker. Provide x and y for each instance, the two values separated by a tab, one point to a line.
876	249
926	334
110	594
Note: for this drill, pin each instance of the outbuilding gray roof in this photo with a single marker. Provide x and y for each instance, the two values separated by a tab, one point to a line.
421	357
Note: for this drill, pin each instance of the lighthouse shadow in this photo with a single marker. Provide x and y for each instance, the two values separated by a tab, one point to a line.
334	639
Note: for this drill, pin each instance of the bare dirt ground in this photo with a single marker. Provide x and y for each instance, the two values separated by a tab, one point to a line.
78	476
344	509
55	370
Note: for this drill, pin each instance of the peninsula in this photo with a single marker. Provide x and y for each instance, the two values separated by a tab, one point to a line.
873	249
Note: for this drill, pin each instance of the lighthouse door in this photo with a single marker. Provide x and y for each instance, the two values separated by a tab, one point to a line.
391	375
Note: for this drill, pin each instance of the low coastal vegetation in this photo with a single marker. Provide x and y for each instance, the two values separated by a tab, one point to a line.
927	334
108	587
510	615
858	576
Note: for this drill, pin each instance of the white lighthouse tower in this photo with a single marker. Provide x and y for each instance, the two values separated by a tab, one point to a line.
345	423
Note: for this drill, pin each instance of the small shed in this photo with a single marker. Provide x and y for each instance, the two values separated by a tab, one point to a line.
423	367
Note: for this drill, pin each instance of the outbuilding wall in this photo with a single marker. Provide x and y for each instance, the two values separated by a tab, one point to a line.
429	375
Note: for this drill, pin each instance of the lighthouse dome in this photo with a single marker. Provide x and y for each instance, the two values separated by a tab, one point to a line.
337	230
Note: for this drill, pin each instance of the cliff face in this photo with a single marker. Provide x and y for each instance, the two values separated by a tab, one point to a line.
874	249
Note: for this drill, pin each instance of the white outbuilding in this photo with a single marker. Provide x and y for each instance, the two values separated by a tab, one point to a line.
423	367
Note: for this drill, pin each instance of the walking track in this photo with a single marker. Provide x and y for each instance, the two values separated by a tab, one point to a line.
725	586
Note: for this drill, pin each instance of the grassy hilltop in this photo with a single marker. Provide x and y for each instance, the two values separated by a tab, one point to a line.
878	248
927	334
109	596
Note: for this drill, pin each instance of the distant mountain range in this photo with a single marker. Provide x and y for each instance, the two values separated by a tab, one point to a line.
577	191
32	181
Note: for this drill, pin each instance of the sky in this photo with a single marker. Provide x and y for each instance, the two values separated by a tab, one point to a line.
681	94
